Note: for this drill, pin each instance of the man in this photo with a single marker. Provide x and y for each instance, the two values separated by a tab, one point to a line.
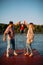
10	37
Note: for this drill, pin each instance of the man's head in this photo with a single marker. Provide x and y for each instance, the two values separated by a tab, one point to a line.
11	23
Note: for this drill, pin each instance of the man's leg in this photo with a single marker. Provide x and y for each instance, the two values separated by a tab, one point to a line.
8	46
13	45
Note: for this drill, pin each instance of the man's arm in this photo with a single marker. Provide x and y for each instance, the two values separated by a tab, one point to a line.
4	36
5	33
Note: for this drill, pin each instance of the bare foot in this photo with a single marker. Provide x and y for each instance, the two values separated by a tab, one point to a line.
26	54
15	54
31	55
7	55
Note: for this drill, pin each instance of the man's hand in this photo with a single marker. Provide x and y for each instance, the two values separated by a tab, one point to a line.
4	39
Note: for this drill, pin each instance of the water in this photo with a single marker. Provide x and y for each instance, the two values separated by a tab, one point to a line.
20	43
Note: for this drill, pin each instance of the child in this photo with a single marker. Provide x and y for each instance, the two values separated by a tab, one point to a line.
10	38
22	28
30	36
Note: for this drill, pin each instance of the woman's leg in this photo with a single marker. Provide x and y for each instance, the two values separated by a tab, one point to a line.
27	51
30	49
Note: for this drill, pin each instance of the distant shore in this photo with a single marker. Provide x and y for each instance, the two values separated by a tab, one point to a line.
38	28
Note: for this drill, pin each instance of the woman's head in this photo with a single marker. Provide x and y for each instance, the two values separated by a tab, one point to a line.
31	25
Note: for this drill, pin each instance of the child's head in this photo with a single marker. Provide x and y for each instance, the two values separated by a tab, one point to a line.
31	25
22	25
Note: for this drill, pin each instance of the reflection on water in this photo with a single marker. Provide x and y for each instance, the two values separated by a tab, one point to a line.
20	43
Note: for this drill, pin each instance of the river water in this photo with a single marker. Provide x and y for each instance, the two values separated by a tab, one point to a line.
20	43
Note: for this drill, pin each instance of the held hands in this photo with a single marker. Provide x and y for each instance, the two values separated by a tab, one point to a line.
18	23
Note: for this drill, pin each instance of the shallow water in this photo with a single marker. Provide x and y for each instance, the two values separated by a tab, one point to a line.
20	43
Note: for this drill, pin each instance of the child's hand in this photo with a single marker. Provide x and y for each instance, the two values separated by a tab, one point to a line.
25	22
